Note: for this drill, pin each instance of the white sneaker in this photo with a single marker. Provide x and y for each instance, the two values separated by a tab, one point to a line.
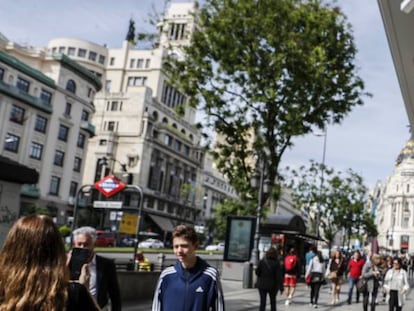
315	306
287	302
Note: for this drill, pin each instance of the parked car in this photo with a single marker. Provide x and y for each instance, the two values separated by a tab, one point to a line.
151	243
127	241
105	239
215	247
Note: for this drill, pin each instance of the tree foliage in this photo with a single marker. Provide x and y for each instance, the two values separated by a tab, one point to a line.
264	72
339	198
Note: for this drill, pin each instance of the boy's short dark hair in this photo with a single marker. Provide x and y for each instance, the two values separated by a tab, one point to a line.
186	232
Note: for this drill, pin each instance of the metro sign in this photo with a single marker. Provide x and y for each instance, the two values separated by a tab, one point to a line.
109	185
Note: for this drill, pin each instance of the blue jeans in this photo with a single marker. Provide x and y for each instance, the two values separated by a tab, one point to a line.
351	284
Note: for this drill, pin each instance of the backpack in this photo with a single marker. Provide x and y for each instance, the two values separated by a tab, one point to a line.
290	264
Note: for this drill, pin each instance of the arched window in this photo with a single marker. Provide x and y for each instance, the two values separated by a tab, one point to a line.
71	86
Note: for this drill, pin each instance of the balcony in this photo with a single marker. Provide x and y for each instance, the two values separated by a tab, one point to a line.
89	127
19	95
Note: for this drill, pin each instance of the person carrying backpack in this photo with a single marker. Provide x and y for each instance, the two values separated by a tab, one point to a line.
291	264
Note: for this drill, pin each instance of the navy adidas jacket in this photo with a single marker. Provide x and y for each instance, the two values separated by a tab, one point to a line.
196	289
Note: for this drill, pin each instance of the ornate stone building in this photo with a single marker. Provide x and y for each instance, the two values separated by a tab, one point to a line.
394	205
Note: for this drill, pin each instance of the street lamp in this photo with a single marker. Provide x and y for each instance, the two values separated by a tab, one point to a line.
82	190
390	238
257	182
318	212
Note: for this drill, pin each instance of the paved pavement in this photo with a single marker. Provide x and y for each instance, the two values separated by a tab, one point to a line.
240	299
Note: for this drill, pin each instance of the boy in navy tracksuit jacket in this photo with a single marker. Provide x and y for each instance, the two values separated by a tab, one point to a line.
191	284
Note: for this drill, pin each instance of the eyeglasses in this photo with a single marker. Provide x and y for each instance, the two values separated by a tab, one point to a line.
396	263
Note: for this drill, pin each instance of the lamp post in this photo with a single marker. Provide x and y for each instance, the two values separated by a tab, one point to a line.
263	187
140	205
390	238
76	205
318	212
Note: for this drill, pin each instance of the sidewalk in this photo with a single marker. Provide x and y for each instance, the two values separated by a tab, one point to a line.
240	299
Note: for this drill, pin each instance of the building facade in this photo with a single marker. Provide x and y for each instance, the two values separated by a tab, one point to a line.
46	104
140	136
394	205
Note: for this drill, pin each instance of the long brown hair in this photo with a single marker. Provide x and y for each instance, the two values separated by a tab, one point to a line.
33	272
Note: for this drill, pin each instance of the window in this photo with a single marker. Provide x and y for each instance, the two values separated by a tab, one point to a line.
63	133
177	145
103	142
111	126
45	96
54	185
73	189
406	216
112	61
68	109
134	81
71	86
101	59
147	63
140	63
85	115
71	51
114	106
176	31
41	124
17	114
12	142
131	63
1	74
77	164
168	140
81	140
59	156
36	151
62	49
92	56
108	85
81	53
54	50
186	150
23	85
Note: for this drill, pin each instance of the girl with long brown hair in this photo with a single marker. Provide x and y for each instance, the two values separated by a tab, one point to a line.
33	271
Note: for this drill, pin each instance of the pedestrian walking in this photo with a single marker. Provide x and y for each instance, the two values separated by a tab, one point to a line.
316	271
334	272
291	271
269	278
396	285
372	277
191	284
355	265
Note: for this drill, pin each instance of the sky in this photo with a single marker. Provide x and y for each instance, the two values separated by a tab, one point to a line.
369	139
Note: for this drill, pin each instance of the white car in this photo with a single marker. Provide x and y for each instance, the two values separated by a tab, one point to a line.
151	243
216	247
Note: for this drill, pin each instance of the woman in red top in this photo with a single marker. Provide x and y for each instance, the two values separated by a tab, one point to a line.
355	265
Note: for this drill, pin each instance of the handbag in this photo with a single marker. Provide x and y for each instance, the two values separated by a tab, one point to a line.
361	285
333	275
308	279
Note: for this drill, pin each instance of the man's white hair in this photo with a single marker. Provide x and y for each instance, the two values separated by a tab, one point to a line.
86	230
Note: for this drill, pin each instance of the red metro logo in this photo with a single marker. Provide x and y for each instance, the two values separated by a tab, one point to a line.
109	185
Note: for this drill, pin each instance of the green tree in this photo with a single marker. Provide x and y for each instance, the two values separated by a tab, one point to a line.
264	72
338	200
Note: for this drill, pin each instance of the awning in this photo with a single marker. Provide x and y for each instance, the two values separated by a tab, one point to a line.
13	171
164	223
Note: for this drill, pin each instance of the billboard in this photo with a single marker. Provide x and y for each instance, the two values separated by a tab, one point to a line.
239	238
